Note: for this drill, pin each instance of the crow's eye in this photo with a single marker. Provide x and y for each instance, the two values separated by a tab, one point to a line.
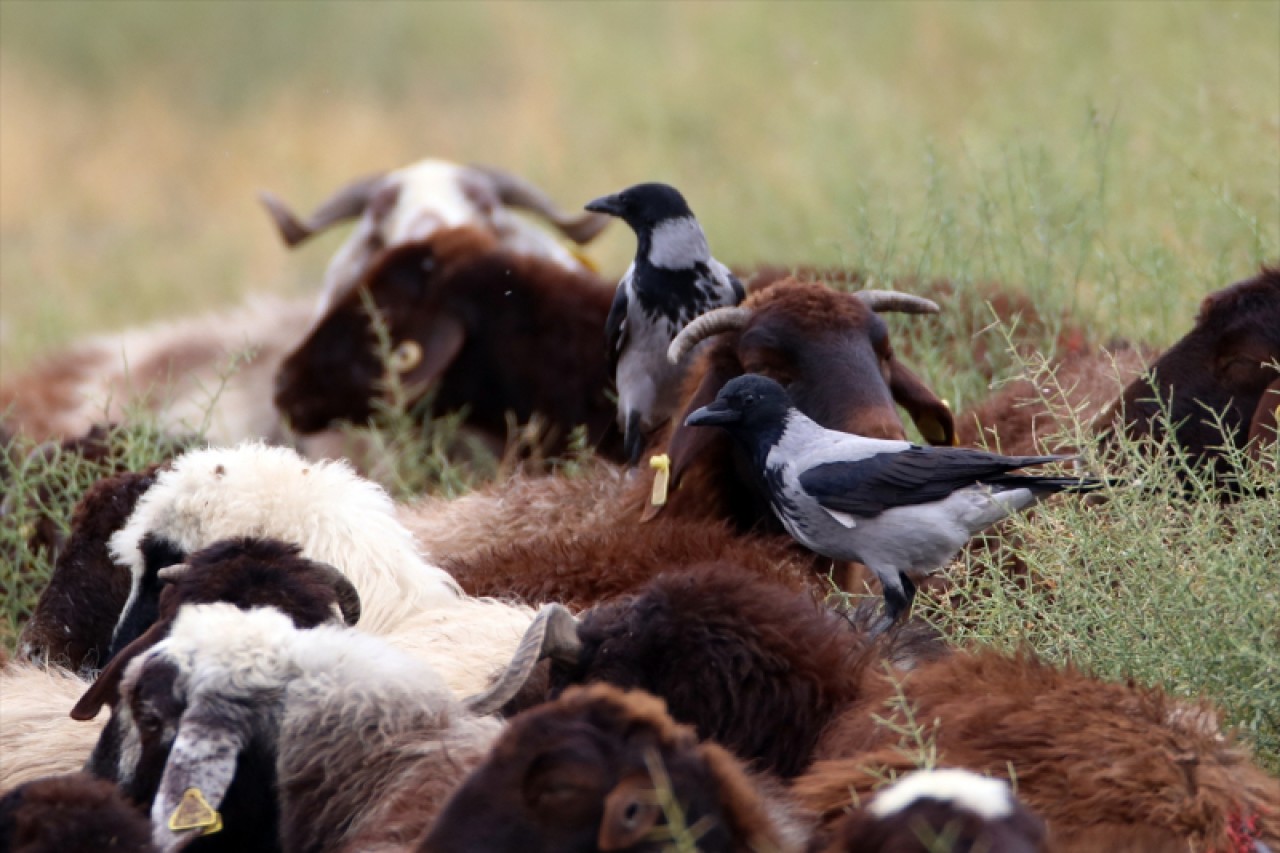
749	400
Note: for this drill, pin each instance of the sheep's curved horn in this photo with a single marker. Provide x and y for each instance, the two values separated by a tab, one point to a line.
700	328
172	573
518	192
554	634
343	589
347	203
891	300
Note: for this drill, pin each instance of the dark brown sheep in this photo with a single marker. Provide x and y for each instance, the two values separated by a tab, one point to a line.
580	571
1221	368
734	654
588	771
1106	764
247	572
71	814
75	615
483	328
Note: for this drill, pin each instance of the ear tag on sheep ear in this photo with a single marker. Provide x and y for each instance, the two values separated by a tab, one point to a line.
661	463
194	812
584	259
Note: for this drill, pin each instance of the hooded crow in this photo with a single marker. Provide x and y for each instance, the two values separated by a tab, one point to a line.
901	509
672	280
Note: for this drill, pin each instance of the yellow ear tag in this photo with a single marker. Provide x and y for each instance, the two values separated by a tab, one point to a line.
194	812
661	463
584	259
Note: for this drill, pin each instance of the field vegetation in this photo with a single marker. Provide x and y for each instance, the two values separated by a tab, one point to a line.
1116	162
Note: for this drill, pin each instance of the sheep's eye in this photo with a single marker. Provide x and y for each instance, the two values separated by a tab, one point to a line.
149	723
406	356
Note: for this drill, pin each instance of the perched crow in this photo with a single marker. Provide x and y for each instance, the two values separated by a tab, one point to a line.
672	280
901	509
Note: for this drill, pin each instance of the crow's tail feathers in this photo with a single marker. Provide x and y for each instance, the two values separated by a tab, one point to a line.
1053	485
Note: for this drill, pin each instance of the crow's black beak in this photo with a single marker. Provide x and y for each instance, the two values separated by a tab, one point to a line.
609	204
716	414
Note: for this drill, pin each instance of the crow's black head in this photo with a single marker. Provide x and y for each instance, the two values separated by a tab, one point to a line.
748	403
643	206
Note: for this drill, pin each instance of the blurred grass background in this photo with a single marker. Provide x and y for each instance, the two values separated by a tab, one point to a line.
1117	160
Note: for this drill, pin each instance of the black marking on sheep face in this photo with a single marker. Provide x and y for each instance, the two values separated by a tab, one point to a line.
157	553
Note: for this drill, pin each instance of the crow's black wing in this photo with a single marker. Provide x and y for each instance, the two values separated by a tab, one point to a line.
615	327
917	475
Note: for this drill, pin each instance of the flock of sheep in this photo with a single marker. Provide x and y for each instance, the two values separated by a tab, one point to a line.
252	647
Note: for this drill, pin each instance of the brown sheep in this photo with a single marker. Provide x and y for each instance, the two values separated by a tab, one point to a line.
71	814
587	772
1222	367
1106	764
482	328
75	615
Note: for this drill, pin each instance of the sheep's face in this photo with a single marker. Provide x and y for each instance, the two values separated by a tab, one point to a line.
134	745
579	774
1223	366
833	355
338	373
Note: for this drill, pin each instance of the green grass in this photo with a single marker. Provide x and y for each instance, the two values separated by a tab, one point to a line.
1113	161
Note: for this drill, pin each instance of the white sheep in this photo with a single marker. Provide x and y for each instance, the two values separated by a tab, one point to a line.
366	743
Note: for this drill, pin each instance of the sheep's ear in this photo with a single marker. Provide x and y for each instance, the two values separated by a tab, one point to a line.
932	416
201	765
105	690
439	343
630	813
688	443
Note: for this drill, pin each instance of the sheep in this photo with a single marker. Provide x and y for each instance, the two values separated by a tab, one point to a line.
411	203
1103	763
1222	367
334	515
245	572
73	619
36	736
354	744
606	769
588	569
763	669
945	809
484	328
71	813
211	374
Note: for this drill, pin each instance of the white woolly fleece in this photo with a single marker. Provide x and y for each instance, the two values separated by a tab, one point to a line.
990	799
336	516
241	653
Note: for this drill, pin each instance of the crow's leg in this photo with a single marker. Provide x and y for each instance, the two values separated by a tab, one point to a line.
897	602
633	439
